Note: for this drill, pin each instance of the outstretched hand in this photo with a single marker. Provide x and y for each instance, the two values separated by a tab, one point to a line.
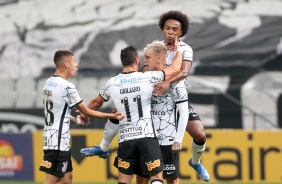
83	120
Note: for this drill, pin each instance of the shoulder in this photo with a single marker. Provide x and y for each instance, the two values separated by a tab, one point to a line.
185	46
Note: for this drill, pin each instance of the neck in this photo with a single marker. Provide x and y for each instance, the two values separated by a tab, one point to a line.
61	73
130	69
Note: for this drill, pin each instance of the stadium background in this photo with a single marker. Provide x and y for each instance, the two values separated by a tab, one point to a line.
235	82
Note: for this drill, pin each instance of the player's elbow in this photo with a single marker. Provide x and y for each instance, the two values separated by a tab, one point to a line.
184	73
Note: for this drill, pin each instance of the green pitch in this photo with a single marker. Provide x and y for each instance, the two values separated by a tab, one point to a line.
20	182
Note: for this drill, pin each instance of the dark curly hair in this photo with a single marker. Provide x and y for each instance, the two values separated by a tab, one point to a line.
175	15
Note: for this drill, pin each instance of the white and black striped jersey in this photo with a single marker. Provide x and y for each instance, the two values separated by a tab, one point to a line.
59	96
170	125
131	94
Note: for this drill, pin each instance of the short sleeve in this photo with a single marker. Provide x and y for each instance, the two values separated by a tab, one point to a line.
104	93
72	97
179	92
187	54
156	76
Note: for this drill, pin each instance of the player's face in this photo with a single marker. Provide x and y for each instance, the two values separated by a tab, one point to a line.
172	28
72	66
150	60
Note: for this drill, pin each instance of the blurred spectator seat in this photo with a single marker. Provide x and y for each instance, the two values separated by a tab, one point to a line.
7	93
39	88
25	93
87	88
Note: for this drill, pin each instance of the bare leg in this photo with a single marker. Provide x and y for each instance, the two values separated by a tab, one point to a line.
124	178
142	180
67	179
51	179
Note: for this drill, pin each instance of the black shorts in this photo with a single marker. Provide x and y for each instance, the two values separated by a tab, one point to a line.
56	162
143	154
192	113
171	164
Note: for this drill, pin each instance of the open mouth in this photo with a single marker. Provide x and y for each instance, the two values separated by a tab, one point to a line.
146	66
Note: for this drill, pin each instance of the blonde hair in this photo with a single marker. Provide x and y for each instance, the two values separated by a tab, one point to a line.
158	47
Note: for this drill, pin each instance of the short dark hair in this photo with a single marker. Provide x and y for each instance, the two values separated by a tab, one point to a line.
175	15
60	55
128	55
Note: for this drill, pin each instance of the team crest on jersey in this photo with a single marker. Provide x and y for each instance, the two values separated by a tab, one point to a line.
123	164
158	72
153	165
75	96
45	163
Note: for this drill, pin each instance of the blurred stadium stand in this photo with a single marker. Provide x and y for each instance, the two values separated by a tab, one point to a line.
235	78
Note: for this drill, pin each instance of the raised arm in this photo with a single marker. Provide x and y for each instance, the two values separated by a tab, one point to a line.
174	68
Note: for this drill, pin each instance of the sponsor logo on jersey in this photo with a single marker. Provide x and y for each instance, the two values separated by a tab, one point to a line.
158	113
130	90
123	164
51	84
45	163
153	165
135	134
131	129
120	80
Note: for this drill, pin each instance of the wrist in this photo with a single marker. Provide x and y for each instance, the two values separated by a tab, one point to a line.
78	121
179	49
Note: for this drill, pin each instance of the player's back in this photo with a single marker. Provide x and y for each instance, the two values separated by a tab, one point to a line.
59	96
131	93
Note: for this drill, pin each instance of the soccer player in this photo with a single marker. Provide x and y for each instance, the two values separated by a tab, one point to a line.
131	92
169	114
59	96
175	24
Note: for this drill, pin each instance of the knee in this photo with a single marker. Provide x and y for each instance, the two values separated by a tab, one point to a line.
67	180
200	138
196	131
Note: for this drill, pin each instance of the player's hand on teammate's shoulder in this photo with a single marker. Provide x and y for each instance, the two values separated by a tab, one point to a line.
176	146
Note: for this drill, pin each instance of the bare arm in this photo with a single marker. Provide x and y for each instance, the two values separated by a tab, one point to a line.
96	102
162	87
182	73
96	114
174	68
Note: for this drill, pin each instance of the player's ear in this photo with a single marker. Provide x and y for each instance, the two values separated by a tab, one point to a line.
137	61
160	57
66	63
180	33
